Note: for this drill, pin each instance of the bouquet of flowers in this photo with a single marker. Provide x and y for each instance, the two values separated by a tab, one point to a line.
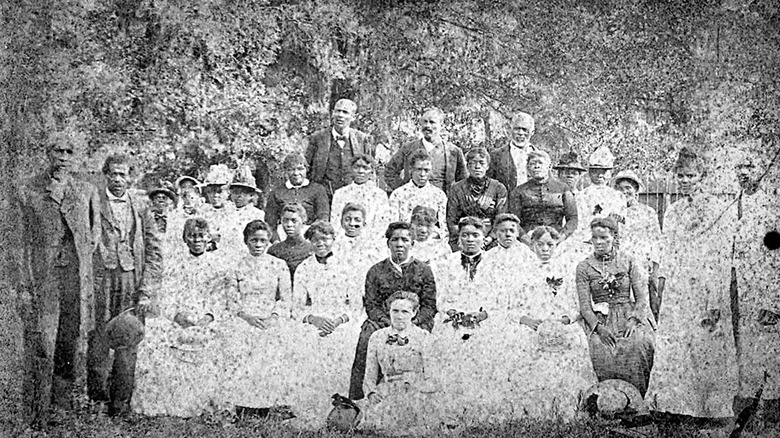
467	320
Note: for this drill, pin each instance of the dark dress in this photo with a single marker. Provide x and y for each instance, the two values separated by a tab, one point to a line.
605	286
469	197
549	203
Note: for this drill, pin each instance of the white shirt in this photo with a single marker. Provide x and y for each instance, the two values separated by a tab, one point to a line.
340	142
520	157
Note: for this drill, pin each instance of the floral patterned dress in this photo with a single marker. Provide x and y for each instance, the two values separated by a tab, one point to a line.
695	371
180	371
467	357
408	395
550	366
640	235
612	289
260	358
324	362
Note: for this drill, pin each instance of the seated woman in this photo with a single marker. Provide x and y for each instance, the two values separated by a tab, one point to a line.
612	291
180	361
396	384
328	309
260	327
550	362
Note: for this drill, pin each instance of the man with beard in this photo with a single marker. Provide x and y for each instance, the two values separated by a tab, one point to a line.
448	164
400	271
130	261
329	152
756	275
509	161
59	230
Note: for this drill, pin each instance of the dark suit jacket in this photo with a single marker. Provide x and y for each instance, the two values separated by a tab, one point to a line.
147	256
80	210
455	165
318	148
502	166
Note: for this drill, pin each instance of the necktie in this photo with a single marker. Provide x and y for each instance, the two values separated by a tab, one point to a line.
397	339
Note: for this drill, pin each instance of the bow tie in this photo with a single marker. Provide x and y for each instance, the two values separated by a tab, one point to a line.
470	264
340	137
162	221
397	339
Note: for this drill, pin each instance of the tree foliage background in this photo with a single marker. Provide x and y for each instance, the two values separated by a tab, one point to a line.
181	84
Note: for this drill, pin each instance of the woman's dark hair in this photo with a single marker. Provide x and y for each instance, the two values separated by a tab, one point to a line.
473	221
351	206
542	230
397	226
194	224
255	226
605	222
319	226
116	159
403	295
368	159
506	217
424	216
297	209
688	159
478	152
418	156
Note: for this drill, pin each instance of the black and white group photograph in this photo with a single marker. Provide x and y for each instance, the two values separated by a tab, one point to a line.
390	218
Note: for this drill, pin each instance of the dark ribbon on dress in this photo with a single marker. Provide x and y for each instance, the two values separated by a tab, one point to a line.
478	186
324	259
554	284
397	339
470	264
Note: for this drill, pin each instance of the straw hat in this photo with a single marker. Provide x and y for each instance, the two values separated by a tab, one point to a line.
219	175
601	158
165	188
569	160
629	175
183	178
244	178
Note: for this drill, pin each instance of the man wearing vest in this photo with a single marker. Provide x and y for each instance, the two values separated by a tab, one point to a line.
329	152
131	260
508	163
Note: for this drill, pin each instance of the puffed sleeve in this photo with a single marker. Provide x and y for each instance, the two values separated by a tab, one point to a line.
583	295
371	378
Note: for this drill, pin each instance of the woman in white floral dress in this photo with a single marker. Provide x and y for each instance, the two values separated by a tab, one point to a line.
549	359
180	366
261	345
327	310
401	396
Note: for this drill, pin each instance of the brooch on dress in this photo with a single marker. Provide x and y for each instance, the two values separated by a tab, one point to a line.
397	339
467	320
554	283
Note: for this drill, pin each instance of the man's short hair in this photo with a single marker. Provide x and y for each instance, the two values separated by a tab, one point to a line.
353	206
363	157
319	226
506	217
537	153
436	111
350	103
419	156
478	152
397	226
523	119
116	159
473	221
297	209
255	226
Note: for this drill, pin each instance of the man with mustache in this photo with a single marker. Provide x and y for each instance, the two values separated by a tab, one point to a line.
329	152
448	165
508	164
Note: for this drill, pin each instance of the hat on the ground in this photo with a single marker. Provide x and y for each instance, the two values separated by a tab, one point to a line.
219	175
631	176
165	188
570	160
612	397
124	330
244	178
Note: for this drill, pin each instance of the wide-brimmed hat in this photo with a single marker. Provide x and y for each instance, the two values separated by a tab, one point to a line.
183	178
570	160
219	175
124	330
601	158
244	178
165	188
629	175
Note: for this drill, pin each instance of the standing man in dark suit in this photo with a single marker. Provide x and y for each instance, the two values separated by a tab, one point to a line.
59	230
329	152
448	162
508	163
131	261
